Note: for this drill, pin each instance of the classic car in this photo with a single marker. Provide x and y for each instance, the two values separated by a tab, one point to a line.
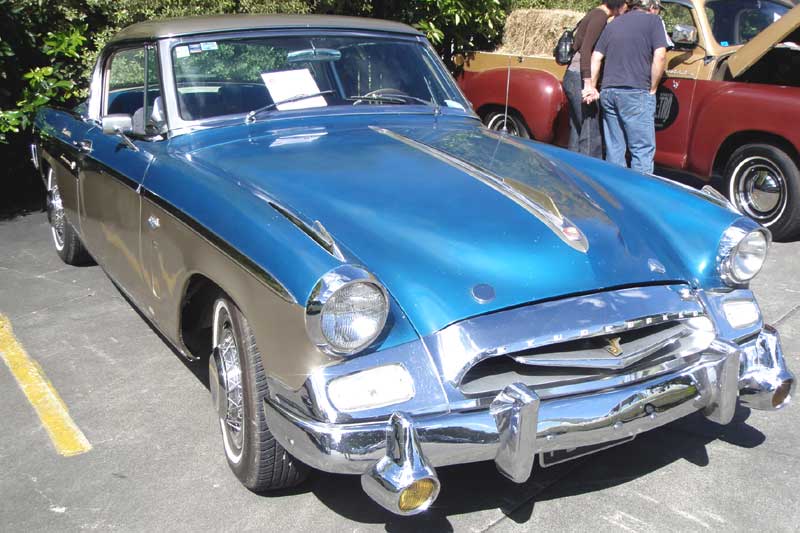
379	284
727	107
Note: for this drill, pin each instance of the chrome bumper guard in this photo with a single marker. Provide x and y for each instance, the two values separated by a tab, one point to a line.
518	426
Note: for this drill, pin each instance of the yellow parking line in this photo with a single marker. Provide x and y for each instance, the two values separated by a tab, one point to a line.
66	436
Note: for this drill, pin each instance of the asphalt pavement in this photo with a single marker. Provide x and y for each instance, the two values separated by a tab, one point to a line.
156	460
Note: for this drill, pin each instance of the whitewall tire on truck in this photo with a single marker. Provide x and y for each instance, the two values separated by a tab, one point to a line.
498	121
763	182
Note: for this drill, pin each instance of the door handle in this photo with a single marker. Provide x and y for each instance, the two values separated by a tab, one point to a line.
85	146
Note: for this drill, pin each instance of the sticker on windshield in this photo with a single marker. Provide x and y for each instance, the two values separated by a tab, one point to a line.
195	48
181	51
205	47
293	84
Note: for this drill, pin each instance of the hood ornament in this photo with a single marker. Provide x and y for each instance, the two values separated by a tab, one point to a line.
613	346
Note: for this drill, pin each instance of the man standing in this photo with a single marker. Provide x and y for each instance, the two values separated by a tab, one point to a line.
634	49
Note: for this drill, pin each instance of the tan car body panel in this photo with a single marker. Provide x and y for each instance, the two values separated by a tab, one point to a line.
746	56
175	252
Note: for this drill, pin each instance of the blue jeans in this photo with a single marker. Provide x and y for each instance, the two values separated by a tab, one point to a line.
584	119
629	122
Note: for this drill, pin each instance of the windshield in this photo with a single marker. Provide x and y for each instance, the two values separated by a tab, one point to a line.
737	21
274	74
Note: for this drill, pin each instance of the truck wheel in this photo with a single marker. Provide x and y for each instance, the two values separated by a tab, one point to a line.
496	121
763	182
65	239
238	387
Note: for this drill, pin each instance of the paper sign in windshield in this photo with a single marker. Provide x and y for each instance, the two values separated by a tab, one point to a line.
288	84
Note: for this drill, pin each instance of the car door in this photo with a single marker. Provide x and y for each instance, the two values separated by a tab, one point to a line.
112	174
677	91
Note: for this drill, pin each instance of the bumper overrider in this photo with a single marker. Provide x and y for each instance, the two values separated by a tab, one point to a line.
397	458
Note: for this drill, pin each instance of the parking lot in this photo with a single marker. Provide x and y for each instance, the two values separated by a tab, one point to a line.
152	457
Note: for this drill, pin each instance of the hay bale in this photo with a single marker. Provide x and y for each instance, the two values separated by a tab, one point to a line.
536	31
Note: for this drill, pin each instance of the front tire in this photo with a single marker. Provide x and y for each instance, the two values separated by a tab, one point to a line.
257	459
497	121
763	182
66	240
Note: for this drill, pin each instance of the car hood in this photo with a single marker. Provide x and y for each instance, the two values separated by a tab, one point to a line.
436	211
776	33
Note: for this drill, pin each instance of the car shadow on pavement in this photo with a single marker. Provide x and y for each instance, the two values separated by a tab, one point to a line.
480	487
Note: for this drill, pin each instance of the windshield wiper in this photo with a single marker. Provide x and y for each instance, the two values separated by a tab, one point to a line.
251	116
390	98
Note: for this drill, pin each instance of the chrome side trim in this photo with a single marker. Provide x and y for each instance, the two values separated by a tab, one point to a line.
520	193
460	346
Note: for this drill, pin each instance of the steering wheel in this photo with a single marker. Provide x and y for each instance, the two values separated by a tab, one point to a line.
384	91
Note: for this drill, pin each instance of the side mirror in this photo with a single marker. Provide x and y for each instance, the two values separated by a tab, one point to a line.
117	124
684	35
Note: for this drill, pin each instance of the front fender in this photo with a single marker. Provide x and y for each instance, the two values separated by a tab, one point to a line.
536	94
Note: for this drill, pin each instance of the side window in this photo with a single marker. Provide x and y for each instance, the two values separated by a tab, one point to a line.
133	88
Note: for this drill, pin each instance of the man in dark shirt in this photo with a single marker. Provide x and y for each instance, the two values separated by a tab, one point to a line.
633	48
584	118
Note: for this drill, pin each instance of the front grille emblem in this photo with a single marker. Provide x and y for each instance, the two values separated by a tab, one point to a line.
613	346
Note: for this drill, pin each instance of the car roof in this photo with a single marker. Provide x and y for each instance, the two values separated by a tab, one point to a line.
159	29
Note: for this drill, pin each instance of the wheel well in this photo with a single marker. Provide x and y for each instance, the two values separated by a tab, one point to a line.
741	138
196	310
497	108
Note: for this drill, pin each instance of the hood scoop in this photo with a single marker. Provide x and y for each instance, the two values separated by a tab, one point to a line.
535	202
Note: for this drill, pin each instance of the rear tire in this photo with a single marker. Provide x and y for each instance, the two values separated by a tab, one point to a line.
763	182
257	459
496	120
66	240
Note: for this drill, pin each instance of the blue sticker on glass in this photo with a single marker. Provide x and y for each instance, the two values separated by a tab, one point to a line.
724	43
208	46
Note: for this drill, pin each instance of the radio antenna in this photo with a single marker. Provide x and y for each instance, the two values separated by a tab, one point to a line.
508	84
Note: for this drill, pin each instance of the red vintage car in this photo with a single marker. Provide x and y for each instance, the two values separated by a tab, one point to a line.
728	107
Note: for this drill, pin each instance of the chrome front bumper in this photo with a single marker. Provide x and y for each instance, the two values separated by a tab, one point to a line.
518	426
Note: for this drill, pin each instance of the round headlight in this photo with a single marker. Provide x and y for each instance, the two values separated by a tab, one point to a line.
346	311
745	257
353	316
748	257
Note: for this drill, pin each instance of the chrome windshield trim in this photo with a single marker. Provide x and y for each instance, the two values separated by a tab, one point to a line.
458	347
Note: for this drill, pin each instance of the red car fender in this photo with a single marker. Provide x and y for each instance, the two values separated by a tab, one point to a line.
727	108
535	94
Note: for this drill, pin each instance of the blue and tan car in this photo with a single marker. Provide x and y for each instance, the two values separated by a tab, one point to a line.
379	284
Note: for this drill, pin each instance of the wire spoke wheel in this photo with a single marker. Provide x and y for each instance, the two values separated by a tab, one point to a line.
55	211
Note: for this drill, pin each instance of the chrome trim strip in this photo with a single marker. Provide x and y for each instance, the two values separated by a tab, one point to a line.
560	225
318	233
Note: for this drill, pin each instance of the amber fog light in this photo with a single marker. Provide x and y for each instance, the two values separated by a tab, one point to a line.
418	495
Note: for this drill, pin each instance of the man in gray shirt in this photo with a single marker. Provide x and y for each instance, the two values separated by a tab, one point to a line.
633	48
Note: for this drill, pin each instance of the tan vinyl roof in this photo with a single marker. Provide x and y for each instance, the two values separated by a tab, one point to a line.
746	56
158	29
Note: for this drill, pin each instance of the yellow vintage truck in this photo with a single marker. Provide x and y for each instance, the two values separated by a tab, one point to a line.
728	106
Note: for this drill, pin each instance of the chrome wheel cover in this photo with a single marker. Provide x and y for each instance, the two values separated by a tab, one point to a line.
55	211
758	188
231	420
498	122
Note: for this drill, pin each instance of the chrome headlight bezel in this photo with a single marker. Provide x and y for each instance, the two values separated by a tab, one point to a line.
729	245
327	286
